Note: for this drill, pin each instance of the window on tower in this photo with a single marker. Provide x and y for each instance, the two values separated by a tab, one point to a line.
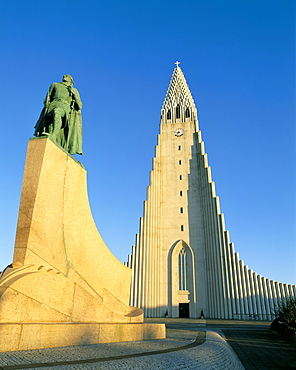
178	111
180	162
169	115
179	147
187	113
181	210
181	193
183	269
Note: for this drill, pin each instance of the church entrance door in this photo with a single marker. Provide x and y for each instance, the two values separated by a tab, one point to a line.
183	310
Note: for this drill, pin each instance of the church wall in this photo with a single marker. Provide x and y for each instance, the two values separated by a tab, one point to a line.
220	284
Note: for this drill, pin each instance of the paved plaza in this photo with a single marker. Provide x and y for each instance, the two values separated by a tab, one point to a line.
261	349
190	344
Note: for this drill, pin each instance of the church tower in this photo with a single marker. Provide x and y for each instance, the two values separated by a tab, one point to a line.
183	262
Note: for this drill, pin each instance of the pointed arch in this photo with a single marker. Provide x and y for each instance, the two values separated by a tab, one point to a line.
181	278
183	269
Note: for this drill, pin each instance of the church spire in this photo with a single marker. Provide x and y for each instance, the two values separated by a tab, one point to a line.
178	105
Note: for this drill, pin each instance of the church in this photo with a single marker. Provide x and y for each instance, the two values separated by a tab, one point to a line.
183	262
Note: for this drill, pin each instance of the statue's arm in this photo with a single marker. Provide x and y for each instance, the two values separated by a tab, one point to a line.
47	99
77	98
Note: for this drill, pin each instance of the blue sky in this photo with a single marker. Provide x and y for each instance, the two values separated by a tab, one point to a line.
239	60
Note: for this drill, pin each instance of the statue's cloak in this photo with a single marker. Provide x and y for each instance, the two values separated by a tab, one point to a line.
73	133
70	136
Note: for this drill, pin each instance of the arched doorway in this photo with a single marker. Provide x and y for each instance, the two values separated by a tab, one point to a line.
182	295
183	292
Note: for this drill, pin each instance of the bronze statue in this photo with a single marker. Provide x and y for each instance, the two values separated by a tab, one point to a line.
60	118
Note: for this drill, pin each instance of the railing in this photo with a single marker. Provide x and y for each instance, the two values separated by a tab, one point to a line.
262	317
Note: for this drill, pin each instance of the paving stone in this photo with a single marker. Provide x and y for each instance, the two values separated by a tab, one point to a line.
214	353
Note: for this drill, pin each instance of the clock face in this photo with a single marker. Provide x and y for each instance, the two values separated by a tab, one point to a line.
179	132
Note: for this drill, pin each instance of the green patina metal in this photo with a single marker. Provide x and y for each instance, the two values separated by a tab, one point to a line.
60	118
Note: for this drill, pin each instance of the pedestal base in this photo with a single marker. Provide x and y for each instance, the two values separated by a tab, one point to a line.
64	287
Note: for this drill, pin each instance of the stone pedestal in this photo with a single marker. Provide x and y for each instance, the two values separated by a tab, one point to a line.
64	287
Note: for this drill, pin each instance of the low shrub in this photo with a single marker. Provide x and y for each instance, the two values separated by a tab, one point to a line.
286	311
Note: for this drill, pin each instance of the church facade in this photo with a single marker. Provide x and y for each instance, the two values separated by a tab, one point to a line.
183	262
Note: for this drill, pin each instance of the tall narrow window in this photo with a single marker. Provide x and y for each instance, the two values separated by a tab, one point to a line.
181	193
182	227
180	177
187	113
181	210
183	270
169	115
180	162
178	111
179	147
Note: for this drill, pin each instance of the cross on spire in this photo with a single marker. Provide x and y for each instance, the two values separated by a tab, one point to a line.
177	64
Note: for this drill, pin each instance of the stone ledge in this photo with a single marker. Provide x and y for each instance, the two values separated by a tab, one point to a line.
26	336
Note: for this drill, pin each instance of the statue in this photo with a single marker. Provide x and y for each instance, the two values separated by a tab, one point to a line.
60	118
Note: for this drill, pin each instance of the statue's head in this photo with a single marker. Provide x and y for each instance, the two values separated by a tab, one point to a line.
68	79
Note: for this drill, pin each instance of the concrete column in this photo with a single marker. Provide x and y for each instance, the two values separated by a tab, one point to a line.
282	290
287	292
273	295
257	295
269	287
252	293
291	292
244	289
224	262
248	290
235	280
278	292
232	306
261	297
239	281
211	273
266	298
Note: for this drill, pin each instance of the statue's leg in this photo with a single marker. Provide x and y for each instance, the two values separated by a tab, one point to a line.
58	114
47	126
